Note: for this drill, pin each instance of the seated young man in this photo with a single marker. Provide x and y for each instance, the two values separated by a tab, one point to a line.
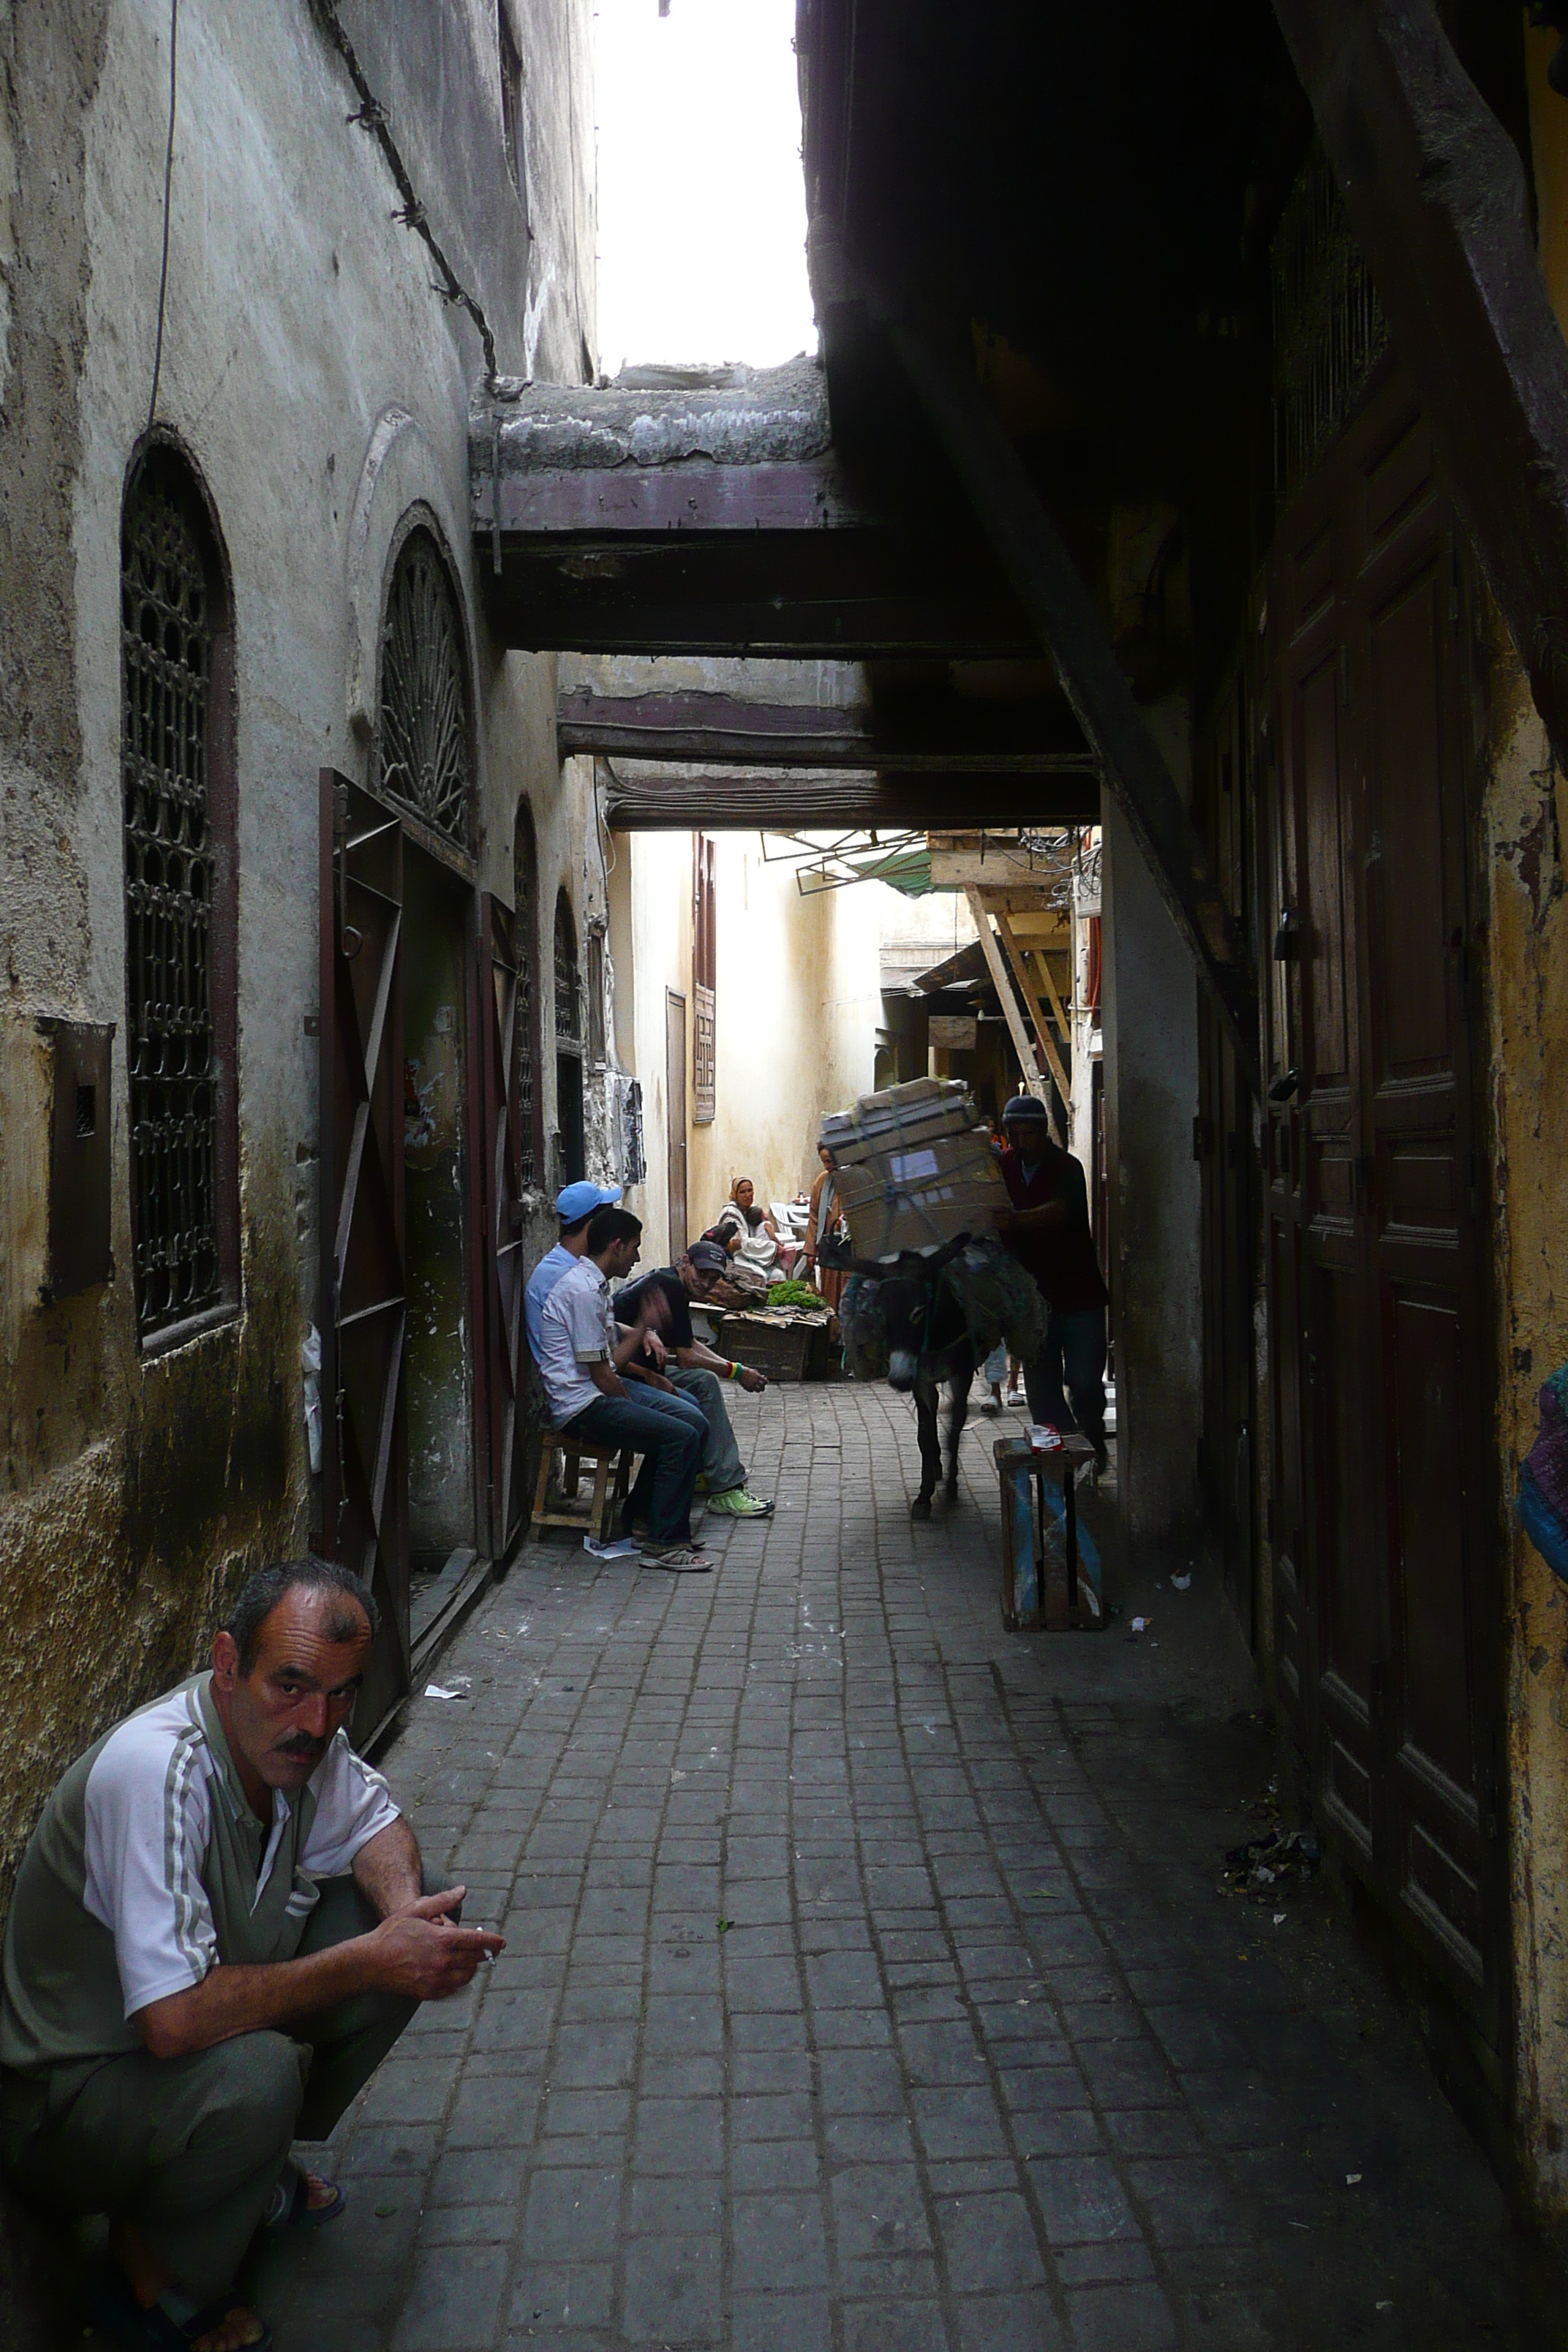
581	1352
575	1205
220	1929
695	1370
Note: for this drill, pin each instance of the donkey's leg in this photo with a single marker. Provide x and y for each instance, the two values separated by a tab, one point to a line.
931	1445
960	1378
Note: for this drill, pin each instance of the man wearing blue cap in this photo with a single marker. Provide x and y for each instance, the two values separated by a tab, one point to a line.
573	1207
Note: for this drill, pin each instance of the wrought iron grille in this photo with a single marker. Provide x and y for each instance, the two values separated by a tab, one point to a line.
166	638
1328	327
522	1019
425	760
568	982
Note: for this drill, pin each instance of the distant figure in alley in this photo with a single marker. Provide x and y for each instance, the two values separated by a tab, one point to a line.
220	1929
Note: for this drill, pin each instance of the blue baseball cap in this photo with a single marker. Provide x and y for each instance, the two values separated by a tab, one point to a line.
580	1200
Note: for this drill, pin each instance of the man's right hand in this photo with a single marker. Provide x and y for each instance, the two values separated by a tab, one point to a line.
420	1954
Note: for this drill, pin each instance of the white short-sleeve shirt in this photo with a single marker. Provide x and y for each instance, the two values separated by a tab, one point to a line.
576	1329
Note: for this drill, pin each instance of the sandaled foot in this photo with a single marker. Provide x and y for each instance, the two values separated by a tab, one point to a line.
225	2325
310	2201
681	1559
237	2329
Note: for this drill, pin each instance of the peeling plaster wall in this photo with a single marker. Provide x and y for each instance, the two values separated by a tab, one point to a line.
796	1006
321	389
1154	1259
1526	814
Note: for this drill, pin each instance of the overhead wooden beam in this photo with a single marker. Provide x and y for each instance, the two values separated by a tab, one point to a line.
1013	1012
745	802
1036	559
1436	197
1031	997
949	738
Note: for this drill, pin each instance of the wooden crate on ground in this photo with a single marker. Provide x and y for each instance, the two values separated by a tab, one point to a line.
779	1343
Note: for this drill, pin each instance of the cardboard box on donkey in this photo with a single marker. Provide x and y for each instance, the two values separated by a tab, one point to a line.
914	1171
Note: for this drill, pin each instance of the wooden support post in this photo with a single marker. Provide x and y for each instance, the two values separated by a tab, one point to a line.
1036	559
1057	1006
1000	980
1436	197
1036	1010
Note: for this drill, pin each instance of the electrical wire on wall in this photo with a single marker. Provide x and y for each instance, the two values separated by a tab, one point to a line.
168	187
372	116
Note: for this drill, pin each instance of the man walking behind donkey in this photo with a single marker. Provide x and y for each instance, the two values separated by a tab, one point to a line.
219	1930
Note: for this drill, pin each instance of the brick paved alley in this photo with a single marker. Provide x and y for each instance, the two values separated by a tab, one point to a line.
867	1984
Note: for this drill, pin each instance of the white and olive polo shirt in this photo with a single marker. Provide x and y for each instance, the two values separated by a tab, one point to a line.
148	1868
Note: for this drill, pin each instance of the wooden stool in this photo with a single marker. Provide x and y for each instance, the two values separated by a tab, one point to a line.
1033	1572
612	1463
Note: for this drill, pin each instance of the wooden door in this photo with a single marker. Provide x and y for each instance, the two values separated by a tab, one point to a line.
363	1312
500	1158
1386	1603
674	1109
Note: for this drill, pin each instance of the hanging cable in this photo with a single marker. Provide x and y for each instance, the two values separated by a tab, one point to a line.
372	116
168	186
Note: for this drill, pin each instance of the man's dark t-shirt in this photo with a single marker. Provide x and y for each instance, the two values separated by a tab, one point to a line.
1062	1258
677	1332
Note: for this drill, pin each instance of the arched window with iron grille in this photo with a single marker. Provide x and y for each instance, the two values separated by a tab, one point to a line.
525	955
424	736
177	782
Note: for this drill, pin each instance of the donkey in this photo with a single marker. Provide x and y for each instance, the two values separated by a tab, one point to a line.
928	1344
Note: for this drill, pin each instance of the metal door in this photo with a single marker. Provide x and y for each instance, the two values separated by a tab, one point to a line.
500	1218
675	1114
362	1312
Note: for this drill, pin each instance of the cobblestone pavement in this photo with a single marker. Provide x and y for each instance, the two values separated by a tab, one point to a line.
866	1986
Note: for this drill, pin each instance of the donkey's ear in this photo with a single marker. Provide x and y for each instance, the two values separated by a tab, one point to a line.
950	1249
843	1261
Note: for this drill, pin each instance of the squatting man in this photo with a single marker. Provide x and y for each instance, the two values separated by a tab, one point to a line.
220	1929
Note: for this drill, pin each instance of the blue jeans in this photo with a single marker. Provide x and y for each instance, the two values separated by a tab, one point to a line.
1073	1354
670	1444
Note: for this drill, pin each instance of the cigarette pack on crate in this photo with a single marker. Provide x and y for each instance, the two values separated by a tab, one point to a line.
912	1169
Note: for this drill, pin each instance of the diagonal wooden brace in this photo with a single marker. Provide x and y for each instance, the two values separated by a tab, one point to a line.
1036	559
1436	197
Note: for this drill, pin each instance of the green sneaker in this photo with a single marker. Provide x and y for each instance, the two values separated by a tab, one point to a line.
738	1505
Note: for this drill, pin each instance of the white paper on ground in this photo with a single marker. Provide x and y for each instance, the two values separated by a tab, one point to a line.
622	1550
436	1690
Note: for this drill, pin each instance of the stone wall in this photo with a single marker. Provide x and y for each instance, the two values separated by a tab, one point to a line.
321	389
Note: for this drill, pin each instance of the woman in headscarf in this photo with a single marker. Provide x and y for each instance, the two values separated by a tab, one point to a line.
750	1235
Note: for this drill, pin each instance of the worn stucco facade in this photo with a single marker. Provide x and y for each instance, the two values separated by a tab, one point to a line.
321	392
796	1006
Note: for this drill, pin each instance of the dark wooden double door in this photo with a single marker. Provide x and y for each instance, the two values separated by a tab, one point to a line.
366	1275
1385	1598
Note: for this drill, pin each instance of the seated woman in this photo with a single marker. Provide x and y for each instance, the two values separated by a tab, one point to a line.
751	1236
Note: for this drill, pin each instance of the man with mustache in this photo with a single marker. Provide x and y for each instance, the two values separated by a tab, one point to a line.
220	1929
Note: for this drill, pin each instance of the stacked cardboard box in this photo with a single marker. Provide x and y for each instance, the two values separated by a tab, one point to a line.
914	1171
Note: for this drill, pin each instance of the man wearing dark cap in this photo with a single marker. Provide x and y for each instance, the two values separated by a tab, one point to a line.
695	1372
1048	1233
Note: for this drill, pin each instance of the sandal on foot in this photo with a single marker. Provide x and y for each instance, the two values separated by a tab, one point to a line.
105	2297
300	2213
679	1558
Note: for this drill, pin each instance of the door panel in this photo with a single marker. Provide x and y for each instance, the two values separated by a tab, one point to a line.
363	1312
500	1162
675	1111
1386	1610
